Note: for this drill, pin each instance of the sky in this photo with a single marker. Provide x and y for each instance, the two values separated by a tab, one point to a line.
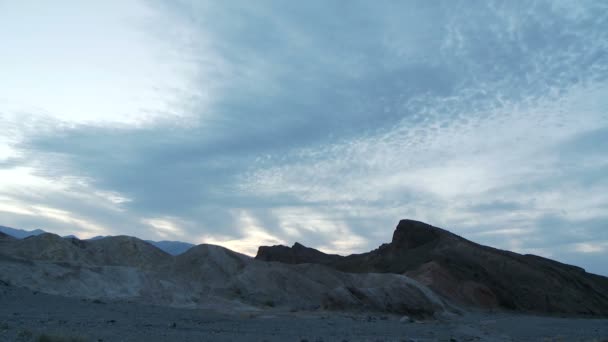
245	123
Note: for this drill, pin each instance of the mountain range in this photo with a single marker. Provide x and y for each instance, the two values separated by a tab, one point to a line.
424	271
206	276
171	247
466	272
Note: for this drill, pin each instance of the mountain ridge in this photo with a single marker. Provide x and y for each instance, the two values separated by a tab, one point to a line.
467	272
171	247
460	271
127	268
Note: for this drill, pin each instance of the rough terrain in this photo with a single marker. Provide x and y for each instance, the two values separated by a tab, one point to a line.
25	315
468	273
426	285
128	268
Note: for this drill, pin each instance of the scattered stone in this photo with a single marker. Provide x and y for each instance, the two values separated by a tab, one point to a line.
406	319
445	315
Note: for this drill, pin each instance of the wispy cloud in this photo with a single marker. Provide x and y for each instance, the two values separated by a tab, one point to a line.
327	122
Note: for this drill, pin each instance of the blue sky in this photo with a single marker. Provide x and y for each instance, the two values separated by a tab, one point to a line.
325	122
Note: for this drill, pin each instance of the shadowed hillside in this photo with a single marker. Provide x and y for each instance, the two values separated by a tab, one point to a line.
468	273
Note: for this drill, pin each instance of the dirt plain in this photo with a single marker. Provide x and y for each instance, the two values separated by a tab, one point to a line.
26	315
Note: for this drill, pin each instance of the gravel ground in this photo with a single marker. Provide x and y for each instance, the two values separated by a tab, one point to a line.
26	316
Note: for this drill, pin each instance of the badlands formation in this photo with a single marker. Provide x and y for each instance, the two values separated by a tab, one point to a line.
426	284
468	273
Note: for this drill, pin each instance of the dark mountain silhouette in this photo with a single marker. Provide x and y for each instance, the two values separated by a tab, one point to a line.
5	236
171	247
468	273
296	254
20	233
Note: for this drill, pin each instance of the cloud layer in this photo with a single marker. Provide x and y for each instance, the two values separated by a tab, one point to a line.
326	123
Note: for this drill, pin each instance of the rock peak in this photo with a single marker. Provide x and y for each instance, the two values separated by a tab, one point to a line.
412	234
298	245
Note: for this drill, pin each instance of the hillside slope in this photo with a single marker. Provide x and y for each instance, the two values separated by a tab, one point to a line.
204	276
468	273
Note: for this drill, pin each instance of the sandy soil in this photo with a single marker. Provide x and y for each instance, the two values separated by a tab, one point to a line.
25	315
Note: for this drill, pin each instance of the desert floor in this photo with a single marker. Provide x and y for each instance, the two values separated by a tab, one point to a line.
26	315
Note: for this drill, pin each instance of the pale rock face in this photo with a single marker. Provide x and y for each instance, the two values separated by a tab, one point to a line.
204	276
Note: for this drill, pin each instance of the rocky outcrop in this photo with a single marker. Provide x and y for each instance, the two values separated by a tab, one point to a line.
470	274
297	254
127	251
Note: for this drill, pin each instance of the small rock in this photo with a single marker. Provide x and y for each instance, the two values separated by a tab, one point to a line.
406	319
173	325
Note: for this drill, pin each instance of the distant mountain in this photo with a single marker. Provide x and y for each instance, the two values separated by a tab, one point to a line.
171	247
466	272
5	237
20	233
97	237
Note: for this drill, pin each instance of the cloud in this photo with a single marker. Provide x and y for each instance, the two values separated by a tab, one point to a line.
498	206
90	62
326	123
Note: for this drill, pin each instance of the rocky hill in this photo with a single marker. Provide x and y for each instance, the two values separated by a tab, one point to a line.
126	268
402	276
171	247
468	273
